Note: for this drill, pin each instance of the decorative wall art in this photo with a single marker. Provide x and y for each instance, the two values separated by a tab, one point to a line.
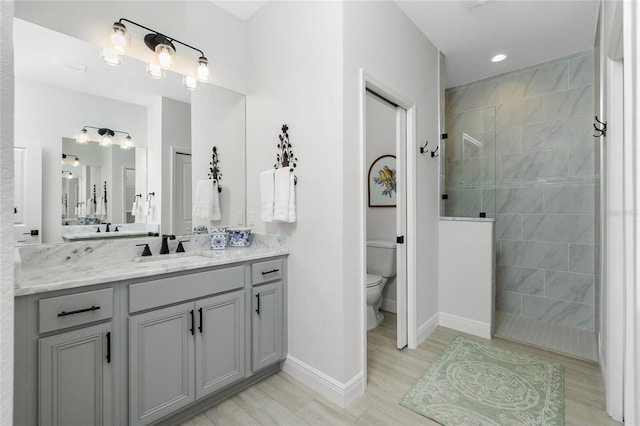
382	182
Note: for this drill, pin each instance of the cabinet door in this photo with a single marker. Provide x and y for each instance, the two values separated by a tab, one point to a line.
161	365
266	325
66	396
219	342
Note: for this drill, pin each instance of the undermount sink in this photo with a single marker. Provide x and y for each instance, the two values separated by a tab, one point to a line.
173	258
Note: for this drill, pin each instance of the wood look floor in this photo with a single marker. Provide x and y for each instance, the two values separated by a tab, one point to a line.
281	400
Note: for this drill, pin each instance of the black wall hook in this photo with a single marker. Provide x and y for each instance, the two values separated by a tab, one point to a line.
423	149
434	153
602	131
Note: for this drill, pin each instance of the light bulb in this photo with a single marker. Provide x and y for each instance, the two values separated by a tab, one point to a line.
106	140
203	69
155	71
119	37
498	58
70	176
76	162
83	139
111	57
165	55
127	144
64	157
190	82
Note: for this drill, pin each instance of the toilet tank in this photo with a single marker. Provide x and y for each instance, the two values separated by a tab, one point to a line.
381	258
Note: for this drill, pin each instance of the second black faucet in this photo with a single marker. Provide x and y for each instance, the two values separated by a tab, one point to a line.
164	249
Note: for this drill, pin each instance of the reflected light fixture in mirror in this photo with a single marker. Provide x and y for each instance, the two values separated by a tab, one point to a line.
75	161
162	45
67	174
107	136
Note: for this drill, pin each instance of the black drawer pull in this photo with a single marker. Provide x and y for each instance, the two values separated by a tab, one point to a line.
200	327
193	324
258	308
109	347
271	272
79	311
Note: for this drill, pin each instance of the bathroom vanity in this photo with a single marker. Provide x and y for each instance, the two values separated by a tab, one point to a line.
142	341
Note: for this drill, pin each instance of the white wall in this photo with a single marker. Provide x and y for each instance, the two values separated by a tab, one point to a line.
381	140
6	213
380	38
466	296
296	79
46	114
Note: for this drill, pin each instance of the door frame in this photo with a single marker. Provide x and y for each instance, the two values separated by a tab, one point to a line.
368	81
174	152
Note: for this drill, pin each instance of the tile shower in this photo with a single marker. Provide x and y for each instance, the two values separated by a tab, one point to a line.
520	149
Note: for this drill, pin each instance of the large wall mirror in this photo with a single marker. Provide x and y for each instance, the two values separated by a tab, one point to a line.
60	90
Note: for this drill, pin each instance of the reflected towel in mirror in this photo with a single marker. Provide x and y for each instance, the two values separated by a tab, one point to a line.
207	203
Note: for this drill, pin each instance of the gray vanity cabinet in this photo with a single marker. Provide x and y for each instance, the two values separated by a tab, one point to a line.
266	325
76	377
161	362
219	342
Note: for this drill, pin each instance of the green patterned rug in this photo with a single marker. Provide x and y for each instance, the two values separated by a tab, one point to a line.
475	384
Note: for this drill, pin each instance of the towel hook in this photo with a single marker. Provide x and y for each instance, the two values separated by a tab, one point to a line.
602	131
214	169
286	158
423	149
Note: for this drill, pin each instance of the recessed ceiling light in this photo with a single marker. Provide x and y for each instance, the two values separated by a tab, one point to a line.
499	57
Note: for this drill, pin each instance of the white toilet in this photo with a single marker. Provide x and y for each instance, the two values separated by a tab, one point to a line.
381	265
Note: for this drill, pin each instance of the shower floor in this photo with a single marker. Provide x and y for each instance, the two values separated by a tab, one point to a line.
559	338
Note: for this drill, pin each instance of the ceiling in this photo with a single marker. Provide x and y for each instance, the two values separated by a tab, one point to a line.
471	32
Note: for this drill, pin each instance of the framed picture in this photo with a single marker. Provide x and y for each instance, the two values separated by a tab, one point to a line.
382	182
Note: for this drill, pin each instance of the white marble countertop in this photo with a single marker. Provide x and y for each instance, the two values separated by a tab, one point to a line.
467	219
72	273
102	235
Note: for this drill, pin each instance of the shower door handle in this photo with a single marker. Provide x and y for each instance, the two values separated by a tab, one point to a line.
400	239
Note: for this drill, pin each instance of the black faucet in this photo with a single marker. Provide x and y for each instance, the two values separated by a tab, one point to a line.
107	230
164	249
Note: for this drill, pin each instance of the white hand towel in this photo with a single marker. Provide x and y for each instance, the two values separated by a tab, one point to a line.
90	208
207	204
134	207
266	195
282	195
101	209
147	208
292	197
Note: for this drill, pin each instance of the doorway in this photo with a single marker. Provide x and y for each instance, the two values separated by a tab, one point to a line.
181	193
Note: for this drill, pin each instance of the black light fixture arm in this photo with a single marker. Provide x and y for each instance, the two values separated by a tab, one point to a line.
160	34
105	130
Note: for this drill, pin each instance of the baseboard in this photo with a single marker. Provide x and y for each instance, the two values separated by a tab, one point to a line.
427	328
466	325
341	394
389	306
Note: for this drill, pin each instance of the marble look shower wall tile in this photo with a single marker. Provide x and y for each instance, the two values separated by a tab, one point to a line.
581	71
519	200
454	147
560	228
569	286
479	145
486	93
509	140
519	113
569	199
534	82
578	101
509	301
508	227
453	203
582	160
534	165
470	121
454	173
479	170
521	280
533	254
558	134
489	120
489	201
568	313
471	202
581	258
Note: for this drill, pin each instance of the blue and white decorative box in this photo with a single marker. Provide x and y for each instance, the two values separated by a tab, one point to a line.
219	240
239	237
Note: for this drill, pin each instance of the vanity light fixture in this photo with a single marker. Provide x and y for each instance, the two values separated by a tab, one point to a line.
107	137
163	46
76	161
68	176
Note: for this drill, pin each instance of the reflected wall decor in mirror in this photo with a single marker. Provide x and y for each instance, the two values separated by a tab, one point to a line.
59	91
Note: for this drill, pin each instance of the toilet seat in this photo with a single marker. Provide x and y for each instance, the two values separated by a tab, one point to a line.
373	280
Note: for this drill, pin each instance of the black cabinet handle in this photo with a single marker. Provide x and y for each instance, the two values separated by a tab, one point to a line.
258	308
192	330
200	327
79	311
271	272
109	347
